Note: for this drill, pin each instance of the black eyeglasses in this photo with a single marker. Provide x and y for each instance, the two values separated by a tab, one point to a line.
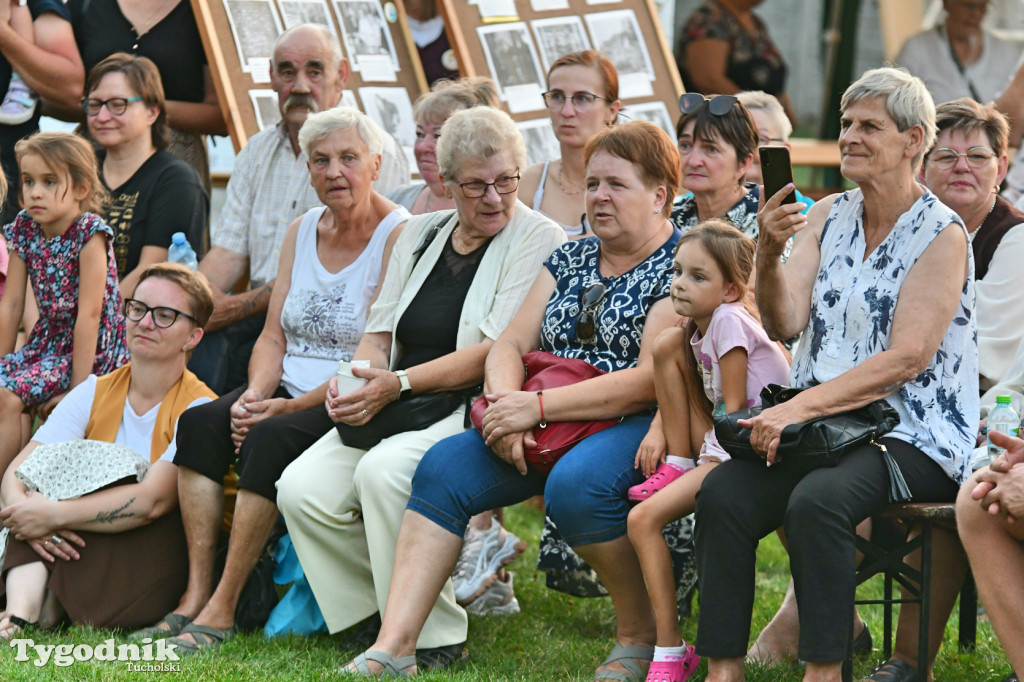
477	188
555	100
163	316
719	105
115	105
586	323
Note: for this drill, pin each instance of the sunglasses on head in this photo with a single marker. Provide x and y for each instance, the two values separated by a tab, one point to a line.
719	105
586	323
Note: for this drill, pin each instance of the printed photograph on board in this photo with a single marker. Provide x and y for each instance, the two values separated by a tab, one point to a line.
254	26
513	63
559	36
364	31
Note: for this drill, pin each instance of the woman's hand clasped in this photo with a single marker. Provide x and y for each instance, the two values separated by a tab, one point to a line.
250	409
360	406
778	222
32	517
766	428
510	412
59	545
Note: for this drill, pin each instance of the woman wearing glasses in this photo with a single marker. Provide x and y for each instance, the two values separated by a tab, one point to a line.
583	100
430	112
717	141
331	263
153	193
881	282
602	299
454	282
116	557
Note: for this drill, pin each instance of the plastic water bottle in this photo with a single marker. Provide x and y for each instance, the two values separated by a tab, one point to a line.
181	252
1004	420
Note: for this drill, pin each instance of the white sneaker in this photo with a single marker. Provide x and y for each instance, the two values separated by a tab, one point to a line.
497	600
483	553
19	103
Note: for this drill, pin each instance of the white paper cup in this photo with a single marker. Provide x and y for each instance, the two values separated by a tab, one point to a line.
346	381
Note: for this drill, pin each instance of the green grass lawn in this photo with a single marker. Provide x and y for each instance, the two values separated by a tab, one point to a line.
556	637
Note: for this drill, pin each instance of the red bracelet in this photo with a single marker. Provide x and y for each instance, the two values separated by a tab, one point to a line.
540	399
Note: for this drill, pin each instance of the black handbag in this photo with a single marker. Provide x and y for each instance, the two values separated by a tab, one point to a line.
818	442
409	413
413	413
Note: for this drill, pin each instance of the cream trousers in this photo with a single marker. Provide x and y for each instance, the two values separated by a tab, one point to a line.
343	507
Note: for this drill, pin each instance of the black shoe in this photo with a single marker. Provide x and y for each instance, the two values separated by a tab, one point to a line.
1012	678
440	657
862	643
893	670
362	635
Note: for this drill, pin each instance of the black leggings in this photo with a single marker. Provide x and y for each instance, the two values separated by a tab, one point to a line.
205	445
741	502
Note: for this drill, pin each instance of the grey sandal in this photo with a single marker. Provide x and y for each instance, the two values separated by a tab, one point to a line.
175	623
205	637
625	655
393	667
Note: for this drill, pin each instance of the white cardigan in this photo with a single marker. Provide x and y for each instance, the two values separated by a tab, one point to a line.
507	271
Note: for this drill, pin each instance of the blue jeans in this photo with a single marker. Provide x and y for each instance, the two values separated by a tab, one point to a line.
221	360
584	494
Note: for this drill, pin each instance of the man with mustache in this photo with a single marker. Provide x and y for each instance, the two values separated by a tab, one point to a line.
269	188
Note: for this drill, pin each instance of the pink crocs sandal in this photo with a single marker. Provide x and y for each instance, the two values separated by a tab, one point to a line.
665	474
674	671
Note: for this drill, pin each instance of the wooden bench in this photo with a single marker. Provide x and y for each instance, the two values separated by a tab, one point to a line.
891	563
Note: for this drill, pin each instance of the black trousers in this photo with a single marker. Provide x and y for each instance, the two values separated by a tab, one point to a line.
741	502
205	445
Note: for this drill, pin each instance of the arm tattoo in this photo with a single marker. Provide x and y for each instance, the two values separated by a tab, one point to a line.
258	300
114	514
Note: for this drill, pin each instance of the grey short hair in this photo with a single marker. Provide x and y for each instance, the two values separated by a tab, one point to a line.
321	124
769	104
477	134
329	39
907	101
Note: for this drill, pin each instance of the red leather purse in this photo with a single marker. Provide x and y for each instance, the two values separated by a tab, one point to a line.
545	370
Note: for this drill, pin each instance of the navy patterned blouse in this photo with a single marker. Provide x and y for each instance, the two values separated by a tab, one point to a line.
622	312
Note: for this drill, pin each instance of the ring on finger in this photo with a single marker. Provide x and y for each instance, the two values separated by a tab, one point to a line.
56	539
365	412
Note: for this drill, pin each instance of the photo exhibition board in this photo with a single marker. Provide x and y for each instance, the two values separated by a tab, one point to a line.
386	74
515	42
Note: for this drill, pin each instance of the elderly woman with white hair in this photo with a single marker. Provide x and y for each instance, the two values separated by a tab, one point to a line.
455	281
881	281
331	262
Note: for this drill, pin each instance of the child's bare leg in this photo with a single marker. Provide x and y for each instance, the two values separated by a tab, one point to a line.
26	589
21	21
645	523
11	409
670	376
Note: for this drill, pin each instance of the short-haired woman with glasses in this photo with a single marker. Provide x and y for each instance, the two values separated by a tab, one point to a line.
455	280
582	99
602	299
116	557
964	169
717	141
153	194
